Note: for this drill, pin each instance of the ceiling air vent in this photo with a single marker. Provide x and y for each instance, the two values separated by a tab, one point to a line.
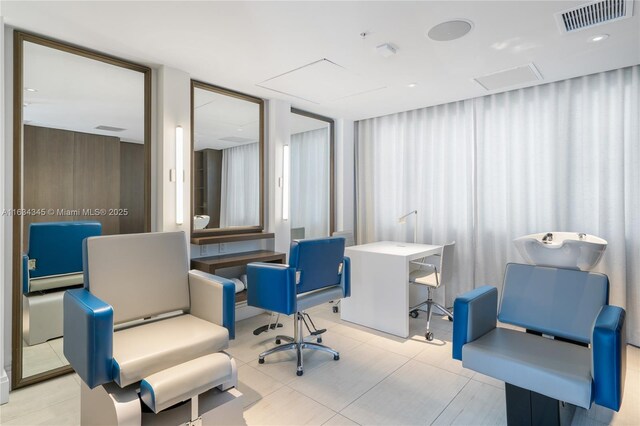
592	14
110	128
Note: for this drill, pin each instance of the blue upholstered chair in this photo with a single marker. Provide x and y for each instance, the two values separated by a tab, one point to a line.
144	319
584	361
52	264
317	273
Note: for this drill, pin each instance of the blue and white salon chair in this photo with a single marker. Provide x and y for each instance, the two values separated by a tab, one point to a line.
147	336
52	264
574	349
317	273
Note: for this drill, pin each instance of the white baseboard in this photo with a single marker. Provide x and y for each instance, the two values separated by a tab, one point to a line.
4	387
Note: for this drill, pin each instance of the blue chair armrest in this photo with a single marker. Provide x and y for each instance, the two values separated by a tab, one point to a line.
25	274
272	287
474	315
213	299
88	336
609	350
345	280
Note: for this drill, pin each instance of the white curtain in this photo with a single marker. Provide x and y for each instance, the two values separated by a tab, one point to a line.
419	160
240	193
563	156
310	182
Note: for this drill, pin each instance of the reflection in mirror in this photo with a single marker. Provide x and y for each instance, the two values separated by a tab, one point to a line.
311	181
227	133
83	175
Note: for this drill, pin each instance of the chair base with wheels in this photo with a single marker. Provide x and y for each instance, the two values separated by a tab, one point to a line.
298	343
432	276
414	312
317	273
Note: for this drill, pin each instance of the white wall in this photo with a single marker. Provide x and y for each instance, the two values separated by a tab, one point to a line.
171	107
345	175
4	380
279	133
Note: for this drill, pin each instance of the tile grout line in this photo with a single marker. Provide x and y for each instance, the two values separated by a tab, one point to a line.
376	384
451	401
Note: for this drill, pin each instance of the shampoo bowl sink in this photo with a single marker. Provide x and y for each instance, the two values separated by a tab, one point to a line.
568	250
200	221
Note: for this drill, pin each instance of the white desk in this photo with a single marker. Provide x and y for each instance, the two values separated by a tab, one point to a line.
380	284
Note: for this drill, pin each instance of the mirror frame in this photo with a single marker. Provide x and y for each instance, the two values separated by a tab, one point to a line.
195	84
19	38
332	180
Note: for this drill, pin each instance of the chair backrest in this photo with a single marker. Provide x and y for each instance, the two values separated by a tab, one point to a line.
554	301
318	262
56	247
348	237
139	275
446	263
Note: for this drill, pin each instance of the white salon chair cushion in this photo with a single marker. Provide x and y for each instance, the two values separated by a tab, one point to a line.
556	369
146	349
424	277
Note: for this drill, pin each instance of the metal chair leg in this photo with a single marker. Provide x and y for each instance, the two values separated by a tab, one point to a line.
297	343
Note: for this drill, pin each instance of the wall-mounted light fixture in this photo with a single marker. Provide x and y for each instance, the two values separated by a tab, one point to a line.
286	172
179	175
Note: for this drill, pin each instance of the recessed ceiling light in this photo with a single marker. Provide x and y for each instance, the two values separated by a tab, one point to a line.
412	84
599	37
26	104
239	129
29	89
450	30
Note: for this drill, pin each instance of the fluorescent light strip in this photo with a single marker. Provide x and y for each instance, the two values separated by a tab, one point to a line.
179	175
286	171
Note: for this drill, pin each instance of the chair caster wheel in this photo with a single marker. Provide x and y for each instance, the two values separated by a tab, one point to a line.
299	372
336	357
277	341
319	340
450	319
260	360
429	336
335	309
414	314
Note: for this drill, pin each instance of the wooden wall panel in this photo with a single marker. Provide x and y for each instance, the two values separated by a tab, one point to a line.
96	178
132	187
48	174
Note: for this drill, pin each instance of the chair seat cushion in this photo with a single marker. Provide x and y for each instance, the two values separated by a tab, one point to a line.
184	381
314	298
143	350
58	281
420	276
553	368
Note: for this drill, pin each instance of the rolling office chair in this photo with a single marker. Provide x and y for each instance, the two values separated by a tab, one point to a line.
52	264
584	361
432	277
145	334
317	273
348	242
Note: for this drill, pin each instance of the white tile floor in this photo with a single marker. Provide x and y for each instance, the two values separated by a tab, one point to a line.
379	379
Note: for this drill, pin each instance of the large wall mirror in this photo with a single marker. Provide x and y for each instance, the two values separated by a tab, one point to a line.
227	161
81	169
312	170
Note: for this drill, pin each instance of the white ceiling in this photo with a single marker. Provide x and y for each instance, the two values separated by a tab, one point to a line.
222	121
302	123
77	93
241	45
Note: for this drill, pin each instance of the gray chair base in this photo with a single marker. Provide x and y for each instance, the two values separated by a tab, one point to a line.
413	311
298	343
